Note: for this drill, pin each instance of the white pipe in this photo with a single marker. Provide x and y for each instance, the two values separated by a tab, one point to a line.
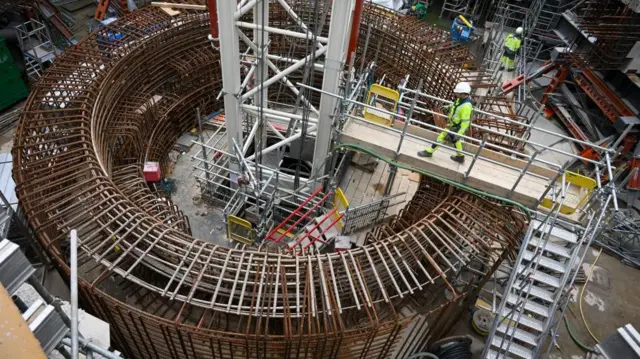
292	87
73	243
296	18
290	60
275	30
276	132
94	348
284	73
277	71
249	139
277	113
241	4
248	77
283	142
244	9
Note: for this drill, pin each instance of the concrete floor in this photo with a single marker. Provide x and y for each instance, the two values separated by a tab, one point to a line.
207	223
611	300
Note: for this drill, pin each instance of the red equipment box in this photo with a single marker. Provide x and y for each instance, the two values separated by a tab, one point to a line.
152	172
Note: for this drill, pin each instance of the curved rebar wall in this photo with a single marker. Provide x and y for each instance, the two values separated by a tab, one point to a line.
124	95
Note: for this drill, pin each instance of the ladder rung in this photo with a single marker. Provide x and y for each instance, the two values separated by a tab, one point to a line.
519	334
542	277
545	261
514	348
534	291
525	320
557	232
550	247
529	305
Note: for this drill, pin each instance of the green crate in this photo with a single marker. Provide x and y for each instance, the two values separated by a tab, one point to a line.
4	50
12	88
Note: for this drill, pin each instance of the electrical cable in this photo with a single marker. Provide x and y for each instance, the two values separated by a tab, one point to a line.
593	265
525	209
575	339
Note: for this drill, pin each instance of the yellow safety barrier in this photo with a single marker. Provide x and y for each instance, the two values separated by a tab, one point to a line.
340	203
240	230
586	185
378	116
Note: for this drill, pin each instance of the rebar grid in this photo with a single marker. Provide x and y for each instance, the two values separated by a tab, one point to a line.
500	105
614	28
112	102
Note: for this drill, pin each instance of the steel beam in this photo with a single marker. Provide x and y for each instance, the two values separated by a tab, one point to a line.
230	68
334	65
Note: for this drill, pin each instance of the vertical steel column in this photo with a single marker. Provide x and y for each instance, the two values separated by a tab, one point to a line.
261	40
73	259
202	142
213	19
393	169
355	29
230	68
334	64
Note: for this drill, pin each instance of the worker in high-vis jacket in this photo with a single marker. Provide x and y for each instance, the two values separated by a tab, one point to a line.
458	122
511	48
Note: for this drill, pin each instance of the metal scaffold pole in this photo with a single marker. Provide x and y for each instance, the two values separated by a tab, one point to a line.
230	66
334	65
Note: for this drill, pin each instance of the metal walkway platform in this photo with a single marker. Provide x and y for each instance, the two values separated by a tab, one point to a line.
492	171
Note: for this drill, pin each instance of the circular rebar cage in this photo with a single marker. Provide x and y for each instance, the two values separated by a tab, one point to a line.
122	96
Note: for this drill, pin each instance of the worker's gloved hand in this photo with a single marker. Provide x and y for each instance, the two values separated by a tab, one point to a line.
452	138
445	108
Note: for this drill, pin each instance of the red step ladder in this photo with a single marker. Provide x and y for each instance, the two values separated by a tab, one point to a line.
297	212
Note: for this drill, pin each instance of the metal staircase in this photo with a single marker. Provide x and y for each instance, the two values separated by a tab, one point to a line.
538	285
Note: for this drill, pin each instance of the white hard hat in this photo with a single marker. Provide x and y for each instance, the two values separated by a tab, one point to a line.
519	31
462	87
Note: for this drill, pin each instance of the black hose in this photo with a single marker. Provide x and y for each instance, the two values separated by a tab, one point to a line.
455	350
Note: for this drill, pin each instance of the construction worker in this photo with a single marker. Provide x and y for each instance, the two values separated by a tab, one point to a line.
458	121
511	48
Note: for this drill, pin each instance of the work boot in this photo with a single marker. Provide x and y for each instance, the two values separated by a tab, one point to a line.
501	67
459	159
510	70
425	154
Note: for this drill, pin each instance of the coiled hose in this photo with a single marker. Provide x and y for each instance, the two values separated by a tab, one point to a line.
455	350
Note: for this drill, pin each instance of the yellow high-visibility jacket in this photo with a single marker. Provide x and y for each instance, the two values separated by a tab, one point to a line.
459	118
512	43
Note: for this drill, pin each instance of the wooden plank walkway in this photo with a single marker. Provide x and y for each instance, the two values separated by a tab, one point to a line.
485	176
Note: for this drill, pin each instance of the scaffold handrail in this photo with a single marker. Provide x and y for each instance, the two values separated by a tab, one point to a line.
526	170
589	144
471	138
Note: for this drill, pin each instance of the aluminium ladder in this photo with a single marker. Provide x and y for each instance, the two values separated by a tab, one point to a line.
538	286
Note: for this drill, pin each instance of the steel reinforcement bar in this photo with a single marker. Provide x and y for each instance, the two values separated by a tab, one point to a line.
122	96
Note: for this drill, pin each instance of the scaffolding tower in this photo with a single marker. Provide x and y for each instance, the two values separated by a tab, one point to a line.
37	47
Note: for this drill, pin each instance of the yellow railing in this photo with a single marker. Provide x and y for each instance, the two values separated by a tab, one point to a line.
378	116
240	230
340	203
584	184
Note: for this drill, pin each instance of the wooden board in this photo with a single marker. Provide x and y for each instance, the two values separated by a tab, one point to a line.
485	176
17	341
